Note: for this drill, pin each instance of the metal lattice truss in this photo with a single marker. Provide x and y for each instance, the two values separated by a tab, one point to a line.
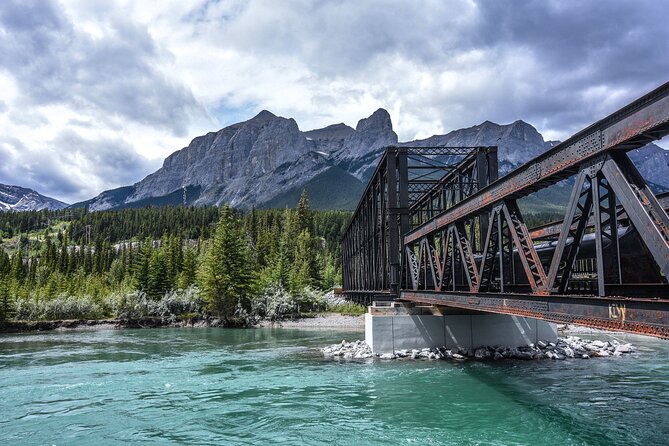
409	186
611	251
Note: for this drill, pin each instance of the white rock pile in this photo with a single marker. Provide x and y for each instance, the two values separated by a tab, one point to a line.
348	350
565	348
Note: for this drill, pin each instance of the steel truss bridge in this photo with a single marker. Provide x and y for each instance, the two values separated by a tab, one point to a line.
436	226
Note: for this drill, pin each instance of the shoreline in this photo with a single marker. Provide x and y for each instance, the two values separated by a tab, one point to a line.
321	321
325	321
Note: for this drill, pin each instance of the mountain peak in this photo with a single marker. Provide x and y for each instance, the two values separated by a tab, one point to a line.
522	124
380	119
17	198
264	115
331	132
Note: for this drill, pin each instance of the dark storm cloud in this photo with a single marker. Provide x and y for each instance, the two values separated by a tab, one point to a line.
620	47
612	38
557	64
113	75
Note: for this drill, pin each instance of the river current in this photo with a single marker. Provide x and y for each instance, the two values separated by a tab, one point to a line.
272	386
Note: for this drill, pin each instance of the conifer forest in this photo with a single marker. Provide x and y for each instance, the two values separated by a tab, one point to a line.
168	262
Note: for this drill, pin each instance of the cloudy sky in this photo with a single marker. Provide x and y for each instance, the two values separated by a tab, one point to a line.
94	94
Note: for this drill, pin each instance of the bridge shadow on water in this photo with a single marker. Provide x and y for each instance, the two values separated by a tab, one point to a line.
599	401
504	379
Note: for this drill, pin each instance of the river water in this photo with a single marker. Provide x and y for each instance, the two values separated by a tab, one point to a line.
268	386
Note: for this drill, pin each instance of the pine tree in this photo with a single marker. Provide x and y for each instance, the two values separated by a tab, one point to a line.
280	274
6	306
305	271
5	263
140	267
18	271
226	276
304	219
252	226
157	281
189	270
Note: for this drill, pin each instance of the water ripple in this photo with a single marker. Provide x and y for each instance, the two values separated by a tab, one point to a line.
215	386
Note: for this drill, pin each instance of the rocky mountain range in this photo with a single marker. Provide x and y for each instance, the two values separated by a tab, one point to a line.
16	198
267	161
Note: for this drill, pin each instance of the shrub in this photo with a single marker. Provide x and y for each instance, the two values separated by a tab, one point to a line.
310	300
276	303
170	308
348	308
178	303
62	307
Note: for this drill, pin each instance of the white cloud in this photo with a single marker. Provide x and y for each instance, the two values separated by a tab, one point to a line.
141	79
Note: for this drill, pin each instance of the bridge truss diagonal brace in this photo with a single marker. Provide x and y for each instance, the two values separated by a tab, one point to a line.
526	251
467	255
448	262
619	179
412	266
492	247
641	206
573	227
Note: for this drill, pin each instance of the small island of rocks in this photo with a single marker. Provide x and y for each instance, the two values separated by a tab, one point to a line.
566	348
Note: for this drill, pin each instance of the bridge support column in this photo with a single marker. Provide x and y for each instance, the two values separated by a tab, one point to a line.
392	328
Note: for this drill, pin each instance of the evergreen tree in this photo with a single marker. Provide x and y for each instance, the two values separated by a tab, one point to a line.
157	283
280	273
304	219
5	263
305	270
189	271
226	276
18	271
140	267
252	226
5	300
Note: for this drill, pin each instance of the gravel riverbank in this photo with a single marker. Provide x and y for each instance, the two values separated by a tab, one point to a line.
321	321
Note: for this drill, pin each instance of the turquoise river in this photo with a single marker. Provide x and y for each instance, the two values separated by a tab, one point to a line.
272	386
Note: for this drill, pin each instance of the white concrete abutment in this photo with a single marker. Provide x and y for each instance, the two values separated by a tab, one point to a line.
404	327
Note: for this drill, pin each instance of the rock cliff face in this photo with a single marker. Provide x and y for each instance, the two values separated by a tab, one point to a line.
267	161
516	143
653	163
15	198
250	163
231	163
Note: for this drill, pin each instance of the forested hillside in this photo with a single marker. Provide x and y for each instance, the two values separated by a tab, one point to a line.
72	263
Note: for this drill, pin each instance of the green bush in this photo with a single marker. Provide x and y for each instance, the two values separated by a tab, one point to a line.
62	307
170	308
349	308
276	303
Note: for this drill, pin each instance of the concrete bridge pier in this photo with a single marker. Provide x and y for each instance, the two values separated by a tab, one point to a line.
393	326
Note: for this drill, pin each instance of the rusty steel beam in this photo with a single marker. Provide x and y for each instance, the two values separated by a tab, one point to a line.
634	315
642	121
371	244
553	228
